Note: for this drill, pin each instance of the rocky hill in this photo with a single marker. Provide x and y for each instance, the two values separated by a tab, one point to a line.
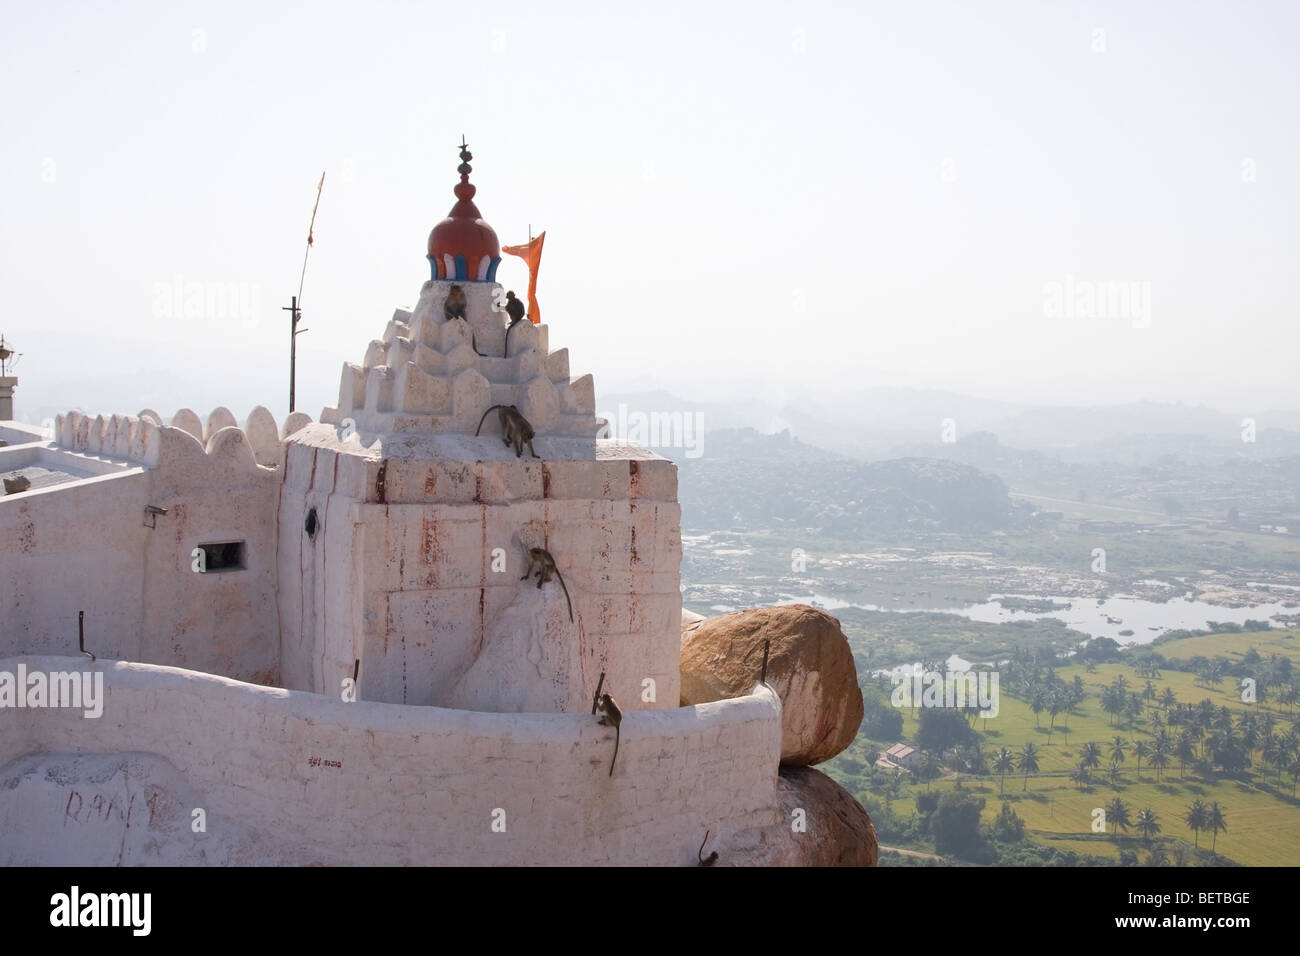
758	481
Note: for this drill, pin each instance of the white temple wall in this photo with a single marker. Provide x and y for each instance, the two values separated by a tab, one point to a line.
85	545
320	615
412	785
421	586
74	547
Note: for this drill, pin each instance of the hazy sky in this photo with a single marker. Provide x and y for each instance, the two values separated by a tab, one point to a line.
737	197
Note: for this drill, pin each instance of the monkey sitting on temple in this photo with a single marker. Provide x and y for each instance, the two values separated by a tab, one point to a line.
454	307
514	309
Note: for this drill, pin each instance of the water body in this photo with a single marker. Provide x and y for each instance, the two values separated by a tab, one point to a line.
1096	617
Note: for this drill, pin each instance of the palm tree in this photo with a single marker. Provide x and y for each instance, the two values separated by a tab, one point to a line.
1196	819
1003	763
1223	719
1160	758
1216	670
1271	751
1149	692
1090	756
1185	750
1294	771
1056	702
1249	730
1117	814
1268	723
1117	748
1291	743
1277	673
1168	699
1037	701
1112	775
1142	750
1028	762
1147	824
1080	776
1111	703
1214	822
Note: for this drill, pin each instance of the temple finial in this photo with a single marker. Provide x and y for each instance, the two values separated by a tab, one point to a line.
465	156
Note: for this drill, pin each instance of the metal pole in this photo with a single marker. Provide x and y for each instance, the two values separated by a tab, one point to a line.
293	345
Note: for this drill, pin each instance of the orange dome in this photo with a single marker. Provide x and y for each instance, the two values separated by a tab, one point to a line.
463	246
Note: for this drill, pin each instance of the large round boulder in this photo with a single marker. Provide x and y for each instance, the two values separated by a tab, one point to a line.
823	826
842	831
810	667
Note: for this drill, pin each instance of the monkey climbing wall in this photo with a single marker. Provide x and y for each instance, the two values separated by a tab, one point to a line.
421	529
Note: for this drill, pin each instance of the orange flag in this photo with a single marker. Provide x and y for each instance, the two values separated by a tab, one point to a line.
530	252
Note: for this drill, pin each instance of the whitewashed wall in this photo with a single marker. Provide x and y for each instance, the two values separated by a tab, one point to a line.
84	546
415	785
408	586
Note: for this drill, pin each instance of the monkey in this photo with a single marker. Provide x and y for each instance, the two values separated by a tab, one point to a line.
541	559
612	716
699	854
515	429
514	309
454	307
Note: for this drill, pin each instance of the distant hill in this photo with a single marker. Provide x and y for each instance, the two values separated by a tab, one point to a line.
879	423
746	479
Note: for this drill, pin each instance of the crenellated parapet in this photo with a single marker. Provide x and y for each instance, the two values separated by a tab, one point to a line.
145	440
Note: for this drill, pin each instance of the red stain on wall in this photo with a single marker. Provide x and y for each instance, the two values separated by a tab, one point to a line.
429	550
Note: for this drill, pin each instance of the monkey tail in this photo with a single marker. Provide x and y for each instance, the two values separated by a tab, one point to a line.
505	349
618	734
473	340
566	593
484	418
699	854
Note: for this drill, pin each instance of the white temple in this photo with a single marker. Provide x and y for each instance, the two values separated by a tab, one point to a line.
314	640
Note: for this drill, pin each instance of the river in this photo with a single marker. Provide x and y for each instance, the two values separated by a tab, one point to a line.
1106	617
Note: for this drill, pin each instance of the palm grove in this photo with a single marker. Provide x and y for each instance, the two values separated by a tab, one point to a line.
1150	728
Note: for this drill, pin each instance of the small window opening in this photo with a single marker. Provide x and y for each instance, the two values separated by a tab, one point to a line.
224	556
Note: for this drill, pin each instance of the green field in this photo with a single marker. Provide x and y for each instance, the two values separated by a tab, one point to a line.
1263	819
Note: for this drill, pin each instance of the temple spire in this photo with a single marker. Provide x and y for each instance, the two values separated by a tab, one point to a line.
463	247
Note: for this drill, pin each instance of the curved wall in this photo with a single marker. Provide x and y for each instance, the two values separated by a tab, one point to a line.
384	784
